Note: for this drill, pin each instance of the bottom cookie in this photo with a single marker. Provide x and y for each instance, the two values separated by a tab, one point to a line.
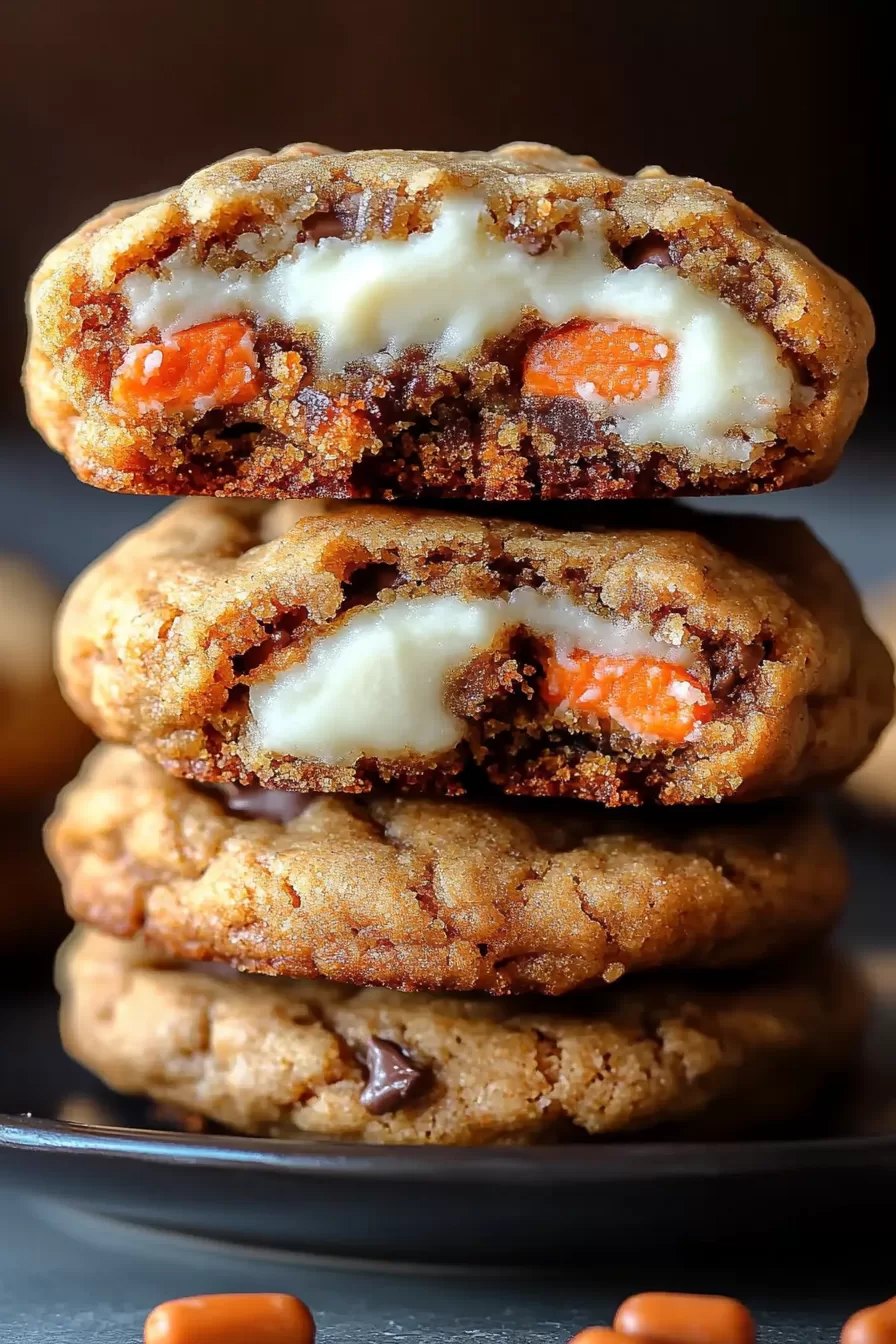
288	1057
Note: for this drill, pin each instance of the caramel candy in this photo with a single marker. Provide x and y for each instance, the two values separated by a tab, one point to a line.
872	1325
602	1334
231	1318
686	1318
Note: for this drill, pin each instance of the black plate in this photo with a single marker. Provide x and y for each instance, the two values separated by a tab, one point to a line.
483	1205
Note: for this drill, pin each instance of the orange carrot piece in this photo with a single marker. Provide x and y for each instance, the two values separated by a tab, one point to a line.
597	360
649	697
198	369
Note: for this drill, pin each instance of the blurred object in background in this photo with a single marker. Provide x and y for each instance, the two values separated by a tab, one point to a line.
42	744
42	739
104	101
32	917
874	786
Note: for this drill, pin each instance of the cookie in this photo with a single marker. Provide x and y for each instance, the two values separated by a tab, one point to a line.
41	738
622	664
434	893
291	1058
874	785
510	325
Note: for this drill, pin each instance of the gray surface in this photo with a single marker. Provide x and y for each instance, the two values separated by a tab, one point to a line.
70	1279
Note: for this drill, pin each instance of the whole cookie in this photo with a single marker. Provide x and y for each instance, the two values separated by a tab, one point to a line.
512	325
41	738
289	1058
435	894
623	661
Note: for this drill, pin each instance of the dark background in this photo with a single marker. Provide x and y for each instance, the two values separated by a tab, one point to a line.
101	99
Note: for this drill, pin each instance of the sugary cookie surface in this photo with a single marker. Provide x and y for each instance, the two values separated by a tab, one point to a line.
331	651
292	1057
510	325
436	893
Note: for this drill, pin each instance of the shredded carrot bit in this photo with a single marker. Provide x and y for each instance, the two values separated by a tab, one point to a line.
645	695
598	360
204	367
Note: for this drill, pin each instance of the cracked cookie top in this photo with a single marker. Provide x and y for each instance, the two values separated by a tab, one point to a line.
435	894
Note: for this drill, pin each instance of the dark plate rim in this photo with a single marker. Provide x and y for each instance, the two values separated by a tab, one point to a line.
538	1165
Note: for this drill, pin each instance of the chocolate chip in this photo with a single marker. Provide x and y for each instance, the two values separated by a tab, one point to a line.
261	804
323	224
279	634
392	1079
651	250
732	663
339	222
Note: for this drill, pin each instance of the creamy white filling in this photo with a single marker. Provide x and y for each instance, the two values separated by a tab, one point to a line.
457	285
377	685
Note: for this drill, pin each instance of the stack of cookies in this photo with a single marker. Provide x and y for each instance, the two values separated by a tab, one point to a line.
441	802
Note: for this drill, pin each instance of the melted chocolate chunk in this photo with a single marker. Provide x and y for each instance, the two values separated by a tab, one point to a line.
323	224
732	663
648	251
261	804
392	1079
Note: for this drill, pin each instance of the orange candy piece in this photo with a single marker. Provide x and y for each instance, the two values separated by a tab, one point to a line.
645	695
198	369
231	1318
872	1325
685	1318
602	1334
607	361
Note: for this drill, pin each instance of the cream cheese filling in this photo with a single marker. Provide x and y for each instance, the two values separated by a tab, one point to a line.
376	686
457	285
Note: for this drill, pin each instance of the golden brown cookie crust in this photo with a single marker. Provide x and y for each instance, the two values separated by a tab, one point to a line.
435	894
160	641
471	436
40	739
281	1058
